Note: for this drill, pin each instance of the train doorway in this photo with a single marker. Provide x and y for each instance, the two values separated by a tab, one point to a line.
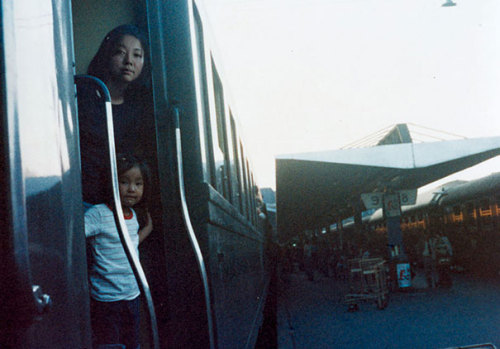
92	20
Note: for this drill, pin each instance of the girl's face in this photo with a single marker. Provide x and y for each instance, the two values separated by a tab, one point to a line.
131	187
127	59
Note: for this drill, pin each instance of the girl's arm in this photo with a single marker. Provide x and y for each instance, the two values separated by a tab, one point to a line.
92	220
148	228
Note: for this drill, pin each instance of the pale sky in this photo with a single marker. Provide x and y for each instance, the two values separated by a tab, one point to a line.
311	75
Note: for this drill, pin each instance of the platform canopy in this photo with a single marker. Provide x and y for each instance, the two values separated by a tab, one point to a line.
315	190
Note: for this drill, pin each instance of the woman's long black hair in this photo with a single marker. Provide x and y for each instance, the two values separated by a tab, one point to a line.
125	162
100	64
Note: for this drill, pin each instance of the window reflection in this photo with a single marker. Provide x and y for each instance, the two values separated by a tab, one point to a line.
39	108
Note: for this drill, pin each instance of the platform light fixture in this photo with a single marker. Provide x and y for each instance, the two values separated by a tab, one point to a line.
449	3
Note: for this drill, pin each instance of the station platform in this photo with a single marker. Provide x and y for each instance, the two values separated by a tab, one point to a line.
312	314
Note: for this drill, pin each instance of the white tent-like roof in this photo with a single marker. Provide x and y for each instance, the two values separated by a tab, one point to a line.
314	190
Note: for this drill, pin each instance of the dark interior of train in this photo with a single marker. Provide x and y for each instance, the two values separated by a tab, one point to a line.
91	21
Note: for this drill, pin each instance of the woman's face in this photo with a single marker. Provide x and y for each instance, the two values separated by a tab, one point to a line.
127	60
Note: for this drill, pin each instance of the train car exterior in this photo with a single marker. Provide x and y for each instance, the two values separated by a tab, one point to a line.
476	202
466	211
216	303
45	297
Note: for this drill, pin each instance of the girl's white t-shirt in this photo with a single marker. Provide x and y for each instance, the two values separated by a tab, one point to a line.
111	276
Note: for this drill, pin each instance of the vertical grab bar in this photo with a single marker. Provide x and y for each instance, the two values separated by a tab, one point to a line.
189	226
118	211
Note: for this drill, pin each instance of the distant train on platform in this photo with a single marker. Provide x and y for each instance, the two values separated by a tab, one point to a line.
468	212
205	267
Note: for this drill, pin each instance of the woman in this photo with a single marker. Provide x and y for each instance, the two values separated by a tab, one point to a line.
121	63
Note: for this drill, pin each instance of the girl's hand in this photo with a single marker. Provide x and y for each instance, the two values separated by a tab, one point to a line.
148	228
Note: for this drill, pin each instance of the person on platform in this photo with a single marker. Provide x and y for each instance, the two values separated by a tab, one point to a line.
429	259
444	253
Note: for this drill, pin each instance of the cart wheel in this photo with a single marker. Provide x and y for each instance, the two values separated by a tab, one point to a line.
353	307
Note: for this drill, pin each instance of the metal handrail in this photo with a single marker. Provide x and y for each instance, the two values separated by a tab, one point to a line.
189	226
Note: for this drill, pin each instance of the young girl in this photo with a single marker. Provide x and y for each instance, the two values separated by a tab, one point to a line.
113	288
121	63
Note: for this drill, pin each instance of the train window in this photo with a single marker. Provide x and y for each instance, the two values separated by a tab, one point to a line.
237	169
206	145
244	183
39	108
232	157
456	210
252	196
254	199
484	208
485	204
253	209
222	168
243	180
248	191
469	208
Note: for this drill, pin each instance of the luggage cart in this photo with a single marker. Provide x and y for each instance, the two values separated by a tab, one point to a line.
368	282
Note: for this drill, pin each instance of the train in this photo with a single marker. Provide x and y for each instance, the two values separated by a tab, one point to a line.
205	270
466	211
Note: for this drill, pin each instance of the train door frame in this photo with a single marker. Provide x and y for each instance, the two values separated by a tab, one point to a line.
127	12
